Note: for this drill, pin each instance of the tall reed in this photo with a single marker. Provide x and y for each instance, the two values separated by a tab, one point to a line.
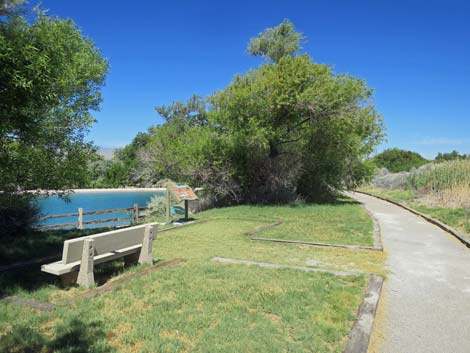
449	181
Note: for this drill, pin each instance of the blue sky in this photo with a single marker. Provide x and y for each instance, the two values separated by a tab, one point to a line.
415	54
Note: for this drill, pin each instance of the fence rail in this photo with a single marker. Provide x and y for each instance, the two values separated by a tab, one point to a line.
58	216
61	225
133	218
109	211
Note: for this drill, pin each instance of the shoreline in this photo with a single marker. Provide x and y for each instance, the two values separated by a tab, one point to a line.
130	189
96	191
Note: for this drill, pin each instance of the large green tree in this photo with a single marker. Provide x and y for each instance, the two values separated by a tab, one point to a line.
289	128
295	125
50	79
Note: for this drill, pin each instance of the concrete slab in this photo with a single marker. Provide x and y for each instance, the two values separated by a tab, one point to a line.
278	266
29	303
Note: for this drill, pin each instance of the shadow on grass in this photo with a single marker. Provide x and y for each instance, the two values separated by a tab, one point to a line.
71	336
333	200
184	220
328	202
31	279
26	279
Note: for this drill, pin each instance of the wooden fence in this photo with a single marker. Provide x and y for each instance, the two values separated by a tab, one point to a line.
133	218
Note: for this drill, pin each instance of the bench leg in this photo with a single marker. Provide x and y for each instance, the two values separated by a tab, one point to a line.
131	259
68	279
150	234
86	278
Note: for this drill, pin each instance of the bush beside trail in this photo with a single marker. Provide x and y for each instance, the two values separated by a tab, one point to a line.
397	160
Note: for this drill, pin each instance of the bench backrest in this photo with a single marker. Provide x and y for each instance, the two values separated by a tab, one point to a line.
105	242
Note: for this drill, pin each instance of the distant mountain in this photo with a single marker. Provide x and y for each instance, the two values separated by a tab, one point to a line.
106	152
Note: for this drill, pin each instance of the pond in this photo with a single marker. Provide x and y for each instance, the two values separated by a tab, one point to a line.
94	201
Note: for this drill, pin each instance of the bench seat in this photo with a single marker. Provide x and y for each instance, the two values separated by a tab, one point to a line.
58	268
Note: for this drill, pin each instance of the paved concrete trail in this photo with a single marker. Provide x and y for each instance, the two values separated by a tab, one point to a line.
426	302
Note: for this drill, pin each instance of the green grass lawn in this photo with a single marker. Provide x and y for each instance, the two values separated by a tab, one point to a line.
202	306
456	217
394	194
343	223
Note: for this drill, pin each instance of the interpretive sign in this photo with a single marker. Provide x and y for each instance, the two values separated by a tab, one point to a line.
183	193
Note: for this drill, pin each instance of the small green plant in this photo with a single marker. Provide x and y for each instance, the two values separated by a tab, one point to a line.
18	214
158	206
467	223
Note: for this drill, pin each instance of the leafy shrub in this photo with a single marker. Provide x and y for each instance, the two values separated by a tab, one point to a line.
397	160
18	214
451	156
157	206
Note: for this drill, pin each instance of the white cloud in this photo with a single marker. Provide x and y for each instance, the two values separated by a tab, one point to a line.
440	141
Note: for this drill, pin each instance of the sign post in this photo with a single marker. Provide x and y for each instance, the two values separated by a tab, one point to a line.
168	206
184	193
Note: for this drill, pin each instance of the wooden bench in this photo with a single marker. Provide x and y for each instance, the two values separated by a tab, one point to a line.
81	254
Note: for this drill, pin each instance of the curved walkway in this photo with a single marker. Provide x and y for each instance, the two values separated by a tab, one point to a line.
426	300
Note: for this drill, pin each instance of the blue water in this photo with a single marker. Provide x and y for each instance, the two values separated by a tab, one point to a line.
93	202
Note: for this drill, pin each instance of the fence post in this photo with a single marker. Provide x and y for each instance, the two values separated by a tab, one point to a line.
80	218
136	213
168	205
